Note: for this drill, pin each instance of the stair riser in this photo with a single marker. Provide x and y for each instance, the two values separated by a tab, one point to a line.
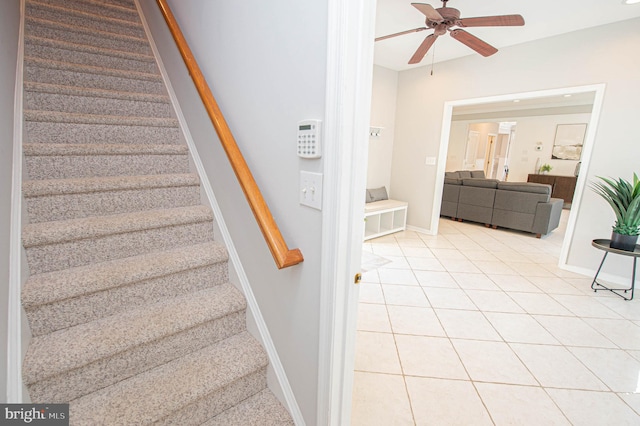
102	10
95	105
215	403
263	405
68	17
124	3
81	381
71	166
55	257
94	81
115	42
46	132
79	310
87	58
74	206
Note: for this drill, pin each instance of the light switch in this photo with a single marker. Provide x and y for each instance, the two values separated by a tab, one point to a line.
430	161
311	189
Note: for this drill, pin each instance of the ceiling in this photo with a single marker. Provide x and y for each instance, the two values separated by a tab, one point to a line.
545	105
543	18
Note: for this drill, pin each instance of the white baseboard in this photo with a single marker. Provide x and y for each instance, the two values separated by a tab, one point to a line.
420	230
252	303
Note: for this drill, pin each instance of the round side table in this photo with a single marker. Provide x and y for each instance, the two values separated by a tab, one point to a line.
603	244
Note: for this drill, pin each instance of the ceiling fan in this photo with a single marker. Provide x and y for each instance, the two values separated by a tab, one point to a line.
443	18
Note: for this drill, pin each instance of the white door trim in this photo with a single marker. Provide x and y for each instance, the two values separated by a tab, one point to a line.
587	150
347	114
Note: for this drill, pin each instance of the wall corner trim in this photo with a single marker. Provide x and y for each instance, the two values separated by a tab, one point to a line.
14	317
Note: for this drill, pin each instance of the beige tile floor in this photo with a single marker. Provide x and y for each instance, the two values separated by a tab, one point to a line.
478	326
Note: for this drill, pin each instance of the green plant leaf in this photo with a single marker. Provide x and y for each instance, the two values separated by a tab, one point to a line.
624	199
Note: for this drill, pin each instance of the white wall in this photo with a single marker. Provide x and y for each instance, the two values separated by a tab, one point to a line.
457	145
265	63
383	114
531	130
9	26
604	54
523	158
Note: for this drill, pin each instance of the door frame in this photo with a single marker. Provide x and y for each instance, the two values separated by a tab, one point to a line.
589	142
350	36
490	149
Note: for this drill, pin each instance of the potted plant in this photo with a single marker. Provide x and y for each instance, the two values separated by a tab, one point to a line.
545	168
624	198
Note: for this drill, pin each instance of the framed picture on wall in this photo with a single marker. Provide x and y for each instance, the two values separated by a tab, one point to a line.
568	142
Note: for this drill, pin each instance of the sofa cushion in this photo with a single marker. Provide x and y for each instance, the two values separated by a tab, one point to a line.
518	201
451	175
464	174
477	196
453	181
537	188
481	183
477	174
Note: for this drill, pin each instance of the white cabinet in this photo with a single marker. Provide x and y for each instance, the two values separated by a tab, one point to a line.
384	217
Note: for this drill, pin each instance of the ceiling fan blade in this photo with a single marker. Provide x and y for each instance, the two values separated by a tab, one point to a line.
423	49
416	30
428	11
492	21
473	42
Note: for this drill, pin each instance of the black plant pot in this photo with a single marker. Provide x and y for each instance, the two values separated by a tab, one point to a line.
623	242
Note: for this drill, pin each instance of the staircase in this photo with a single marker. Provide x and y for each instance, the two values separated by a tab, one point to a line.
132	315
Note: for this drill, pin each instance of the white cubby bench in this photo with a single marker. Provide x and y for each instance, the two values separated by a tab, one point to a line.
384	217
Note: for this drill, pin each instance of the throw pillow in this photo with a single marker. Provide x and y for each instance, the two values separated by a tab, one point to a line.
377	194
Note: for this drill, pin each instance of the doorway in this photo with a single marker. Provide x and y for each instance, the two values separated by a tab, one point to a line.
498	107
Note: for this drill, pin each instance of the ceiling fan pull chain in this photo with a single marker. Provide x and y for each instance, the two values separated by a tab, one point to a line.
433	58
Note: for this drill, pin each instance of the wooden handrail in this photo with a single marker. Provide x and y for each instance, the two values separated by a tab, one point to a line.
278	247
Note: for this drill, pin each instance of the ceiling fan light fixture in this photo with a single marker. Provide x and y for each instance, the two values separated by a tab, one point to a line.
444	18
630	1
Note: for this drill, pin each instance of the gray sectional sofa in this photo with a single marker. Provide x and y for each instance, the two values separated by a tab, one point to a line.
523	206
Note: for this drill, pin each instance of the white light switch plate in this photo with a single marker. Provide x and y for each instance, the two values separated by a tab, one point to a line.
311	189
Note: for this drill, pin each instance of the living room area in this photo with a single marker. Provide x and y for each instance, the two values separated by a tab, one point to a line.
471	316
463	324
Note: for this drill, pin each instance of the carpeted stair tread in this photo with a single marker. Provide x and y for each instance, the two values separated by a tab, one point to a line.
166	389
65	350
99	77
36	188
90	159
87	293
57	149
82	54
60	89
66	45
63	199
90	69
50	287
261	409
102	105
82	18
101	8
42	132
39	234
115	120
113	38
